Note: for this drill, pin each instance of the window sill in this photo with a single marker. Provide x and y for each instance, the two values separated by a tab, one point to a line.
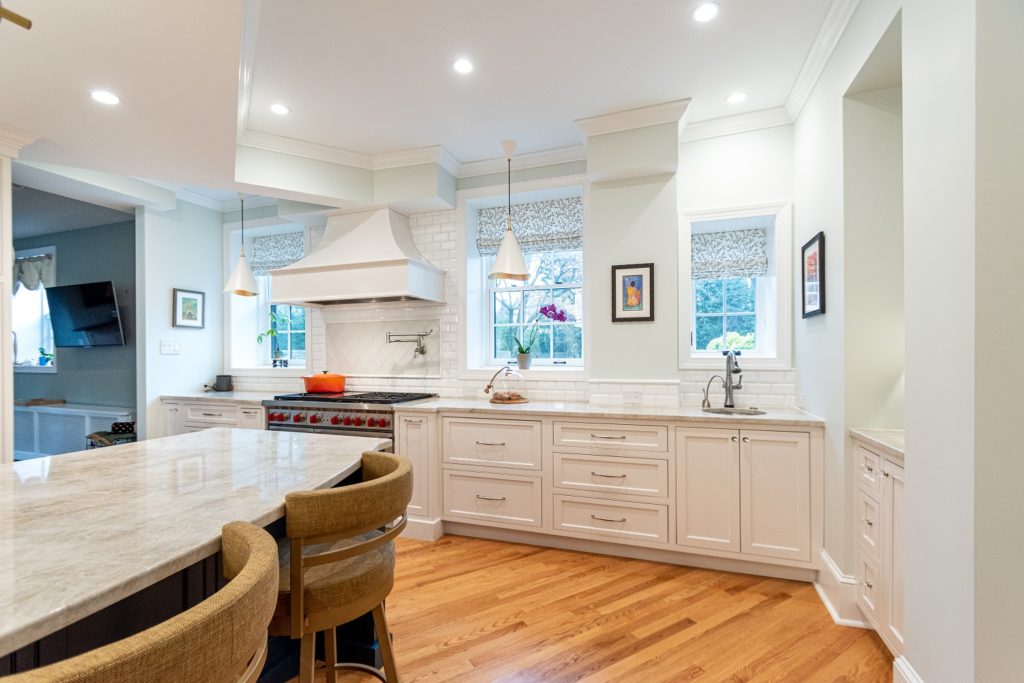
36	369
746	362
576	372
267	370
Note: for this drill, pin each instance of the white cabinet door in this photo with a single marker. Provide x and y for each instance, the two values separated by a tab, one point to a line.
775	494
414	440
251	418
174	419
708	486
892	563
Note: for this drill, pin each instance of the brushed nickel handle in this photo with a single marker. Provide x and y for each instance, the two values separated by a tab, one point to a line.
608	519
746	439
884	473
213	414
602	436
868	522
868	468
410	421
608	476
735	439
489	443
489	497
868	584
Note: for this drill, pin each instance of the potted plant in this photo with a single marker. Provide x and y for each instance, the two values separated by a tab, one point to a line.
276	321
525	345
44	357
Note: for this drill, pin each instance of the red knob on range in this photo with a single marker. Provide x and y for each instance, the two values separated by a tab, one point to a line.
313	419
347	420
280	417
372	422
383	422
335	419
358	422
298	417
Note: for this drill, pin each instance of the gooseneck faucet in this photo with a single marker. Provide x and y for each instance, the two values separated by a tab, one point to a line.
732	367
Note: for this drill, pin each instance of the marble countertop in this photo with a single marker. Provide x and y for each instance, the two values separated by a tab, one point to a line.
782	417
255	398
80	531
888	441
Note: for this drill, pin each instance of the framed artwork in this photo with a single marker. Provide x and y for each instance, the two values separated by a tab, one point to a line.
189	308
633	293
812	276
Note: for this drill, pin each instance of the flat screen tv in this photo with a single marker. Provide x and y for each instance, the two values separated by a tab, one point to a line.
85	315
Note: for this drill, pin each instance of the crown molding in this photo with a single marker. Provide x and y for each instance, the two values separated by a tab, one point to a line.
656	114
832	27
12	140
740	123
549	157
221	206
302	148
436	154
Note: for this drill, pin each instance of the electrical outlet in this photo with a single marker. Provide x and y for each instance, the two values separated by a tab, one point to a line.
632	398
169	347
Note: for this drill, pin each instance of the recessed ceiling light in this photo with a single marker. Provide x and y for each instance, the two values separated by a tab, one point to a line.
105	97
705	12
463	65
736	97
279	109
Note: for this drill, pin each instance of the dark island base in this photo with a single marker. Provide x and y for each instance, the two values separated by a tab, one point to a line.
175	594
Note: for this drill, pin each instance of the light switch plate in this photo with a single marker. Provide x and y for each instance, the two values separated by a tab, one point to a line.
169	347
632	398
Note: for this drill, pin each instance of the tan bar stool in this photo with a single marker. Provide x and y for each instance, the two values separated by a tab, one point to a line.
339	564
222	639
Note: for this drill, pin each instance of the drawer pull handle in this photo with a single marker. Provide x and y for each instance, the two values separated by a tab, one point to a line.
868	584
212	414
608	476
621	437
869	522
490	497
608	519
410	421
490	443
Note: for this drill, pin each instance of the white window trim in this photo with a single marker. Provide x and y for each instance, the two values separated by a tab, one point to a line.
470	277
782	257
35	369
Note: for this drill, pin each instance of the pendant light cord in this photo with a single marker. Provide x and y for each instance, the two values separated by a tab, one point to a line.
510	193
242	200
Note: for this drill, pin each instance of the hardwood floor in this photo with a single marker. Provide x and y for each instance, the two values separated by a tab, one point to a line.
472	610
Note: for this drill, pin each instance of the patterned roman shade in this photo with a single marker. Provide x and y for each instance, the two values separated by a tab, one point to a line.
32	271
729	254
553	225
276	251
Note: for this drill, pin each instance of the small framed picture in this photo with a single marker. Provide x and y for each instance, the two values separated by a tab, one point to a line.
189	308
812	276
633	293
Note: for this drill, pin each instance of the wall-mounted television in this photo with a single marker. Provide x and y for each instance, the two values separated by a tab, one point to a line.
85	315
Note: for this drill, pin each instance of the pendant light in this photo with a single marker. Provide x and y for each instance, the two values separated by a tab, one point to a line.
241	281
508	262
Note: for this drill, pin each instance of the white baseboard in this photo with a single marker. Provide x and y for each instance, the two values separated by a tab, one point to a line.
838	591
424	529
902	672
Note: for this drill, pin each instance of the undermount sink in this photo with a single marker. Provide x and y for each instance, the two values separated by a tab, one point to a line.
734	411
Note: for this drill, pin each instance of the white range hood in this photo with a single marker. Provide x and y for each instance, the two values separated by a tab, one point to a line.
364	256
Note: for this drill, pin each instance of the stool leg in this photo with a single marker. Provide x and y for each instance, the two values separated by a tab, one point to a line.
380	623
331	654
307	651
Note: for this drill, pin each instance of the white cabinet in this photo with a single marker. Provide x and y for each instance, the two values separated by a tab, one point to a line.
174	418
414	438
745	491
492	443
184	417
61	428
251	418
879	523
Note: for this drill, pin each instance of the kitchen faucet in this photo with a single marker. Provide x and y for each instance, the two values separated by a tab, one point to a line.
732	367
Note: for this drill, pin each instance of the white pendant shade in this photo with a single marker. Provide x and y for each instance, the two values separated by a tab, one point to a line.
241	281
508	262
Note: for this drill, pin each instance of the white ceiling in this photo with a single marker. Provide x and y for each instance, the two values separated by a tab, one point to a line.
375	77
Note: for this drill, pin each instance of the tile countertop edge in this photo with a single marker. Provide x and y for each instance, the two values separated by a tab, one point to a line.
889	441
780	417
254	398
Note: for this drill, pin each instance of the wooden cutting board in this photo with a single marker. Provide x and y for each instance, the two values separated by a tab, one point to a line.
39	402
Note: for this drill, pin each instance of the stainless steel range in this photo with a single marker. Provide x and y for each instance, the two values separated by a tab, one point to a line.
351	414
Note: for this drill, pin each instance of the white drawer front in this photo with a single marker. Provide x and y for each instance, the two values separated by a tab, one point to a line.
869	470
869	524
492	498
633	521
869	590
612	437
211	413
613	474
498	443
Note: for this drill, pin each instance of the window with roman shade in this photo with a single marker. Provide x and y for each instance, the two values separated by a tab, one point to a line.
551	225
270	252
729	254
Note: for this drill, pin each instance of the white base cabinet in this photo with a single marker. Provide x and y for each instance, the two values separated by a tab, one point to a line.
183	418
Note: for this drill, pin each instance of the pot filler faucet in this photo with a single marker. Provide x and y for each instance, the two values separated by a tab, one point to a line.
732	367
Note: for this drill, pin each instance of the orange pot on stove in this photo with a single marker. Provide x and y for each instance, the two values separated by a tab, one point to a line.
324	383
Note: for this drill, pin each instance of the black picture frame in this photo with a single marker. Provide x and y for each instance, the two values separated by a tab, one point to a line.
812	276
184	314
622	312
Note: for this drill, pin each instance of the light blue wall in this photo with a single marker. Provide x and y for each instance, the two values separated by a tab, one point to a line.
102	375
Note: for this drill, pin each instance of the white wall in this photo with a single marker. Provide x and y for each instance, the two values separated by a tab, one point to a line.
176	249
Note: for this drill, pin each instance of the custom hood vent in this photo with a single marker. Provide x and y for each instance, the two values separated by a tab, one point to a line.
364	256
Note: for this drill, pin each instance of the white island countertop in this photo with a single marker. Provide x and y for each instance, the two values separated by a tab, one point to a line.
80	531
781	417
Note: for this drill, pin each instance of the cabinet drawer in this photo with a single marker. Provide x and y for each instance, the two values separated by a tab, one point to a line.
869	524
869	589
612	474
869	470
211	413
612	437
492	498
608	519
497	443
250	418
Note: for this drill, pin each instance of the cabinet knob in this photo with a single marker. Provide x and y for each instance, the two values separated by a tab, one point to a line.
746	439
869	522
868	468
735	439
868	584
884	473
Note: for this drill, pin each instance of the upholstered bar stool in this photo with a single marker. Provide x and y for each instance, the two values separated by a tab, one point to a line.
340	561
222	639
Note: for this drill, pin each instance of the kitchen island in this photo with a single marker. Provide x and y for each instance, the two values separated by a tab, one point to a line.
138	526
